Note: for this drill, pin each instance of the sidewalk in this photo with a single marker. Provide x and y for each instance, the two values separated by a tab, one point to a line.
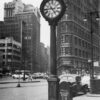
7	80
88	96
93	95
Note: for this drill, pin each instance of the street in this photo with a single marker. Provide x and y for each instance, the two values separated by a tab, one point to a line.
27	91
35	90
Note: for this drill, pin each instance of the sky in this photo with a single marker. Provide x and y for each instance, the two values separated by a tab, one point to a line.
45	29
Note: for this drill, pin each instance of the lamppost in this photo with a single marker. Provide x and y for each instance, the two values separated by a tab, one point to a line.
52	11
92	80
91	32
21	33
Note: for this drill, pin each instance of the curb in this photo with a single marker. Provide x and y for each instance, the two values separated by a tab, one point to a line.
92	95
17	82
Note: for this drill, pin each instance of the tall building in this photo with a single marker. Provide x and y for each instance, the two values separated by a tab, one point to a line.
74	37
22	22
11	9
30	38
43	58
11	52
48	54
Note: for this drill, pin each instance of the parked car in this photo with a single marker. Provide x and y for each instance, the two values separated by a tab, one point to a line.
36	76
68	78
15	76
76	85
21	76
86	80
39	76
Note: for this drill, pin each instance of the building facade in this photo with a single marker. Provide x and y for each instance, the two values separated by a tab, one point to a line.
74	37
11	51
12	29
30	38
11	9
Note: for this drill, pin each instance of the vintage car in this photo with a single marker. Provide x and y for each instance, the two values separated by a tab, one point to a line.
76	86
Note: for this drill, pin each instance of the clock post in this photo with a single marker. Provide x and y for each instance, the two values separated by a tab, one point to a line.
52	11
53	81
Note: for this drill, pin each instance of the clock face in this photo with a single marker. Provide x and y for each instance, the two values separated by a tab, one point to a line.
52	8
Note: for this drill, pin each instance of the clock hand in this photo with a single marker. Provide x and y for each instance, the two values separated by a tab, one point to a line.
53	9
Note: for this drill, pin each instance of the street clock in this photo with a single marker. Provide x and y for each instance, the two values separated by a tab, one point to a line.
52	10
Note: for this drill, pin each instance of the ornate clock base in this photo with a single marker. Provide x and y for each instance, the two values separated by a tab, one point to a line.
53	88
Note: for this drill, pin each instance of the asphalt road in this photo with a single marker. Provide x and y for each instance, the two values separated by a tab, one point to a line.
27	91
31	91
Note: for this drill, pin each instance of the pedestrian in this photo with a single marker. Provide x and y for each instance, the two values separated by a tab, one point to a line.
30	77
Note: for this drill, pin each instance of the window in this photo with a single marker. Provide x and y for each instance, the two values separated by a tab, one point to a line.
76	51
62	39
83	54
67	50
67	38
62	50
9	44
82	43
2	45
80	53
86	54
9	50
9	56
4	56
76	40
86	44
63	27
2	50
79	42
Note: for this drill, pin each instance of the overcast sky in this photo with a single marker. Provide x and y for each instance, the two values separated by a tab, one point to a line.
45	29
